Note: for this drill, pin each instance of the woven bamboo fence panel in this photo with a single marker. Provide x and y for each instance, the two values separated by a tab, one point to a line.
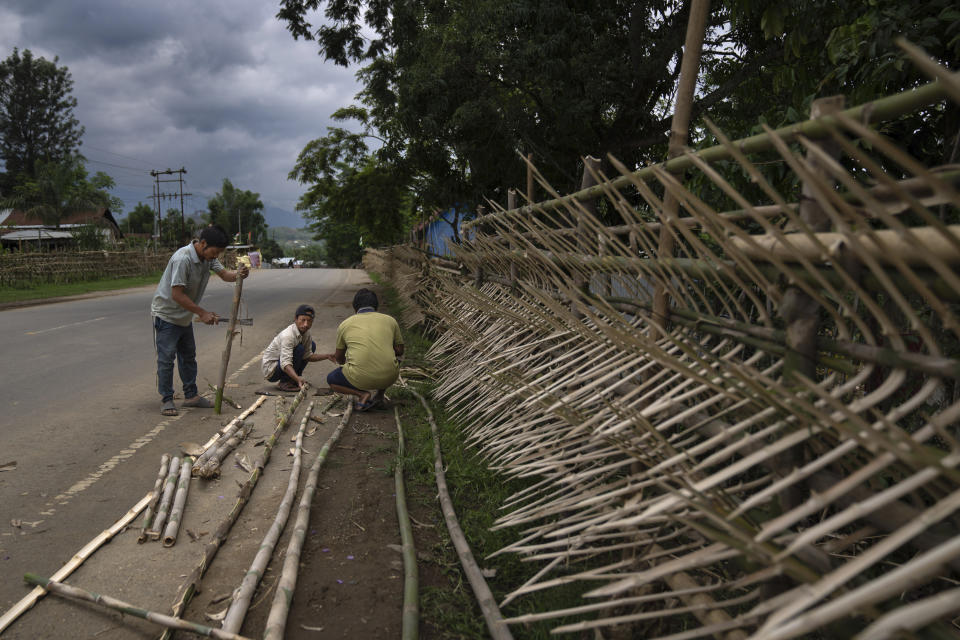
738	419
24	270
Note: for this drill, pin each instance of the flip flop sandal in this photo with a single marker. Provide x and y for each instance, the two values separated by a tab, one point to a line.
168	408
198	402
362	406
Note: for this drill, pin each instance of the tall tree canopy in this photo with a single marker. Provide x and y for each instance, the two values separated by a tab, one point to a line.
238	212
61	188
459	89
36	116
140	219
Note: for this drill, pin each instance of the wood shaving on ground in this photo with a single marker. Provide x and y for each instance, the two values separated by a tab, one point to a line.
191	448
306	628
217	617
242	462
9	466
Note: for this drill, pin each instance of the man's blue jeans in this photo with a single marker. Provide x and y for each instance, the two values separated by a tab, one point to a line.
299	364
175	342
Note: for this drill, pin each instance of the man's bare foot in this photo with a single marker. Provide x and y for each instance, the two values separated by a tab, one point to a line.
364	402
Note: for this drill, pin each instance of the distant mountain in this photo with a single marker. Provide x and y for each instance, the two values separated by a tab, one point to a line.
277	217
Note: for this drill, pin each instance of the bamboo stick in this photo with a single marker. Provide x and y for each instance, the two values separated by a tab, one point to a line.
411	601
176	513
157	490
208	448
283	598
78	559
189	588
225	358
488	605
76	593
211	467
233	620
169	489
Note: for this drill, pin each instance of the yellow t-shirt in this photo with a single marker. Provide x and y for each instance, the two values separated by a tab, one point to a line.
369	338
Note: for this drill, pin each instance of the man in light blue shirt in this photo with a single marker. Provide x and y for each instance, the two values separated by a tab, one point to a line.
175	302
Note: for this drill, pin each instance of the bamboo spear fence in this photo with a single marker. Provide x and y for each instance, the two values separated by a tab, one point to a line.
774	452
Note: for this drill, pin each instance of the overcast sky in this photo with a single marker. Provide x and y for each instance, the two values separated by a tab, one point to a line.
216	86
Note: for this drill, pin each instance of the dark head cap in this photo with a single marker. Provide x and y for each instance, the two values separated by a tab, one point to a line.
304	310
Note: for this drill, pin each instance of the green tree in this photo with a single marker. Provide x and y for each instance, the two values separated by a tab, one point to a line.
270	249
140	219
60	189
238	212
351	195
36	116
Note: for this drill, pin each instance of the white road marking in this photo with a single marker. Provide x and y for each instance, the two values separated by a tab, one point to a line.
64	326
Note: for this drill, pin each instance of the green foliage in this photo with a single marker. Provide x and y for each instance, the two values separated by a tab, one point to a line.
238	212
61	188
89	237
312	255
269	249
352	198
140	219
36	117
176	230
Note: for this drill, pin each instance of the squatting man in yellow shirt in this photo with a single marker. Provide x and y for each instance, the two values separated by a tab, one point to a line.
368	345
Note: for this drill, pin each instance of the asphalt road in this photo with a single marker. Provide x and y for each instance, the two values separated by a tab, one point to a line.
79	410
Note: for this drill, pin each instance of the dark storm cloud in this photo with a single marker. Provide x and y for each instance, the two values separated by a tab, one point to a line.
218	87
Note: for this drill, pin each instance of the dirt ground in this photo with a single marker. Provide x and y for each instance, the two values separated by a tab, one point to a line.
351	577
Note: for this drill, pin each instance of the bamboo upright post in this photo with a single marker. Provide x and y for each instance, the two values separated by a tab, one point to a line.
530	178
478	271
225	360
689	70
590	166
511	205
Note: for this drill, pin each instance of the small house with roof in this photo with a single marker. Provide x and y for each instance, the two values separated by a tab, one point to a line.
20	228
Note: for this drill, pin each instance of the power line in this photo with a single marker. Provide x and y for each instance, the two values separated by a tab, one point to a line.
113	153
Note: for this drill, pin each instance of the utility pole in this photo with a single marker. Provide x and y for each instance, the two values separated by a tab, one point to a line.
159	195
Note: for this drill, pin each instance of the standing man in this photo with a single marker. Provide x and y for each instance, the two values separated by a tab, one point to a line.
288	353
175	302
368	345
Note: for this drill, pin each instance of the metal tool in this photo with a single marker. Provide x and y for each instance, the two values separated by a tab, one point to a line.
246	322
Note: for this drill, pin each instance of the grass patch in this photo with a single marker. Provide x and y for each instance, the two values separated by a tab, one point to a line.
50	290
478	494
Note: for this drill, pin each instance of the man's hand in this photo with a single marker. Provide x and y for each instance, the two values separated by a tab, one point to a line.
243	271
304	384
208	317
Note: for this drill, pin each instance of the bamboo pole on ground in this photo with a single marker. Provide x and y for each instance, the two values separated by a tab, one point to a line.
208	448
282	599
225	360
157	489
76	593
105	536
176	513
244	593
411	603
211	467
488	605
189	588
169	489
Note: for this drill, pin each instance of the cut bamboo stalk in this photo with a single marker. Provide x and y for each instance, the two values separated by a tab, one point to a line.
157	490
488	605
225	358
176	513
211	467
189	588
169	489
411	602
208	448
283	598
78	559
233	620
76	593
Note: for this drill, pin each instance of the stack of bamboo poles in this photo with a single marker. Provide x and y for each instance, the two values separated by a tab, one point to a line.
773	453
